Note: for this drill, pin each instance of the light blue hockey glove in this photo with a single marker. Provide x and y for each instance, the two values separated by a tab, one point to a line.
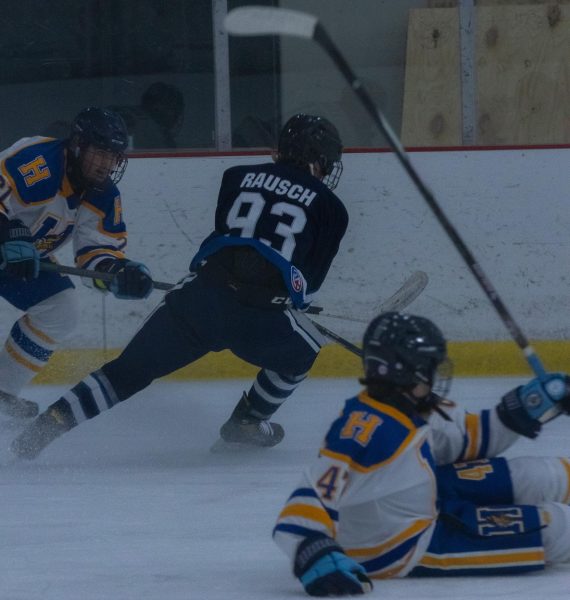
325	570
19	257
542	399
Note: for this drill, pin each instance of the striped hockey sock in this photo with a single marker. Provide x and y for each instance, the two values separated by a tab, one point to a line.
269	392
25	353
90	397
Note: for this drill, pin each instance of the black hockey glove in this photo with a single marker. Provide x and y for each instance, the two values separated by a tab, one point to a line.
20	259
131	280
325	570
527	407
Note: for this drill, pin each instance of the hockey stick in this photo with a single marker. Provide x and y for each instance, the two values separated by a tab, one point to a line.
411	289
400	299
54	267
338	339
278	21
157	285
406	294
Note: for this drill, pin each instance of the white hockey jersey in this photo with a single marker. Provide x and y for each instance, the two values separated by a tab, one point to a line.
373	487
35	189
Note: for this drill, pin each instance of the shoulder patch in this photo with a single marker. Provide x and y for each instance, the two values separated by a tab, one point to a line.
35	171
366	436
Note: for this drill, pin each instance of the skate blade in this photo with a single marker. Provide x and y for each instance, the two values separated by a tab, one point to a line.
13	425
17	408
223	447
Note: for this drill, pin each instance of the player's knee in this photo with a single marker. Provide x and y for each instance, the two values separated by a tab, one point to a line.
57	316
556	534
537	479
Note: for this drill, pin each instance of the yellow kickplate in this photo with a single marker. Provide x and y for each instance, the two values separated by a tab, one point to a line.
479	358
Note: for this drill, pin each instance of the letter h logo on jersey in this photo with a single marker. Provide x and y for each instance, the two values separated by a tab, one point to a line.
360	427
34	171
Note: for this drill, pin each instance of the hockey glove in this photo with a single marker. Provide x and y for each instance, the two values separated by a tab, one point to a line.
325	570
131	280
20	259
527	407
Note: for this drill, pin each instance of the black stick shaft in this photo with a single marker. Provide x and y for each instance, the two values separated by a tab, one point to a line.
338	339
54	267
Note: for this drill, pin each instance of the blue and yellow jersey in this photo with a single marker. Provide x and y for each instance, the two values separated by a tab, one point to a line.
35	189
373	487
372	459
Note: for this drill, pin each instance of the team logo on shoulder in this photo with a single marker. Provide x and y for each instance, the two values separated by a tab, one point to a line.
296	279
34	171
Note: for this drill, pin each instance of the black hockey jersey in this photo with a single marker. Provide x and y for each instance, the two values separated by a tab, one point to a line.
288	215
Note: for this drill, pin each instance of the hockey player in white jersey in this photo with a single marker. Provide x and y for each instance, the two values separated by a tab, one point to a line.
53	191
409	484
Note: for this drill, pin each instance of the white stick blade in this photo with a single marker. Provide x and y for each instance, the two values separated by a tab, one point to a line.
259	20
411	289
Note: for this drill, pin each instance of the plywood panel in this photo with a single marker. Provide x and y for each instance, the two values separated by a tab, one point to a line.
523	72
513	2
431	114
453	3
523	76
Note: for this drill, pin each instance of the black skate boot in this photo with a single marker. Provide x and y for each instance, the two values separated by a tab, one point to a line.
13	406
43	431
243	428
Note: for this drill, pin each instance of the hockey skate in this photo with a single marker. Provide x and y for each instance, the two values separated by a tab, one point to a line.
15	407
251	431
41	432
243	429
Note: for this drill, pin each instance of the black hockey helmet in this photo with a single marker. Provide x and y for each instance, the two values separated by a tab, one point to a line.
402	350
100	129
309	139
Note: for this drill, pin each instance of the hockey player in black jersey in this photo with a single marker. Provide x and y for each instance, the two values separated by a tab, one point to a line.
278	227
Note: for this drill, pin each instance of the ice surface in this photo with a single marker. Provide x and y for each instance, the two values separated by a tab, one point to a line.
132	505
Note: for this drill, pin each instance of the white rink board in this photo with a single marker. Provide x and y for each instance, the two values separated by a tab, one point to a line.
510	206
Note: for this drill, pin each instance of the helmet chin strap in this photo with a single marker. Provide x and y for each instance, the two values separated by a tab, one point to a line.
441	413
425	400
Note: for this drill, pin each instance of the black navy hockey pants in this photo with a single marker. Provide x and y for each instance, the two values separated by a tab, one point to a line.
196	318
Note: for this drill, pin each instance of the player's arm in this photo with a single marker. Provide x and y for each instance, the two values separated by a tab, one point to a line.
307	526
100	238
19	258
306	531
472	435
465	436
